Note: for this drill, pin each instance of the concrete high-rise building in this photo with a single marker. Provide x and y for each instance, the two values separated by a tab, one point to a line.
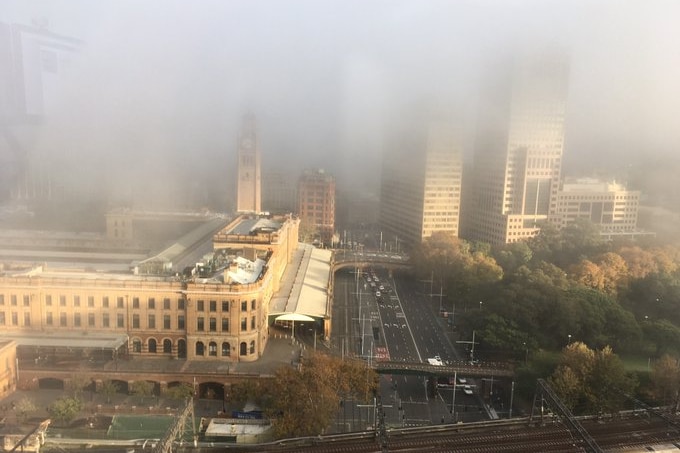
248	191
421	182
518	149
316	203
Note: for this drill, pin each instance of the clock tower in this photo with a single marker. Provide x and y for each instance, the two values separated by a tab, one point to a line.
248	191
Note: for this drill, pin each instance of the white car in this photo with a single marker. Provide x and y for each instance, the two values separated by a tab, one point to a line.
377	294
462	380
467	390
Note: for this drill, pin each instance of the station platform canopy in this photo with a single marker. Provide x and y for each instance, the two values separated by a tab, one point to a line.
303	295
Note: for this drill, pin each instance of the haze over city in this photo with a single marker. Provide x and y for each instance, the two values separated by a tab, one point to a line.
157	90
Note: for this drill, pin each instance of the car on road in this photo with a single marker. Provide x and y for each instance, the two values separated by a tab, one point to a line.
462	380
467	390
377	294
436	360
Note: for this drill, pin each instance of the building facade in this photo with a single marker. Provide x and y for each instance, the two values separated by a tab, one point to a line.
219	311
316	203
8	367
248	178
518	149
421	182
610	206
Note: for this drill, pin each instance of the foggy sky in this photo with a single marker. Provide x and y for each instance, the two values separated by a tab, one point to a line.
159	89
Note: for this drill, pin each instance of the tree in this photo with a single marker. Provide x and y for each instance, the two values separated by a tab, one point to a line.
180	392
108	389
76	385
141	389
24	407
589	381
306	400
65	409
665	379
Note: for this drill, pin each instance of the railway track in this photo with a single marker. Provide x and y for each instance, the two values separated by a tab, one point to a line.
508	436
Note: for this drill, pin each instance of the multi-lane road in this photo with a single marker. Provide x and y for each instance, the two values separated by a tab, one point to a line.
399	323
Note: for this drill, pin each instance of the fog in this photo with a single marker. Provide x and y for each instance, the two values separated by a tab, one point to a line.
151	104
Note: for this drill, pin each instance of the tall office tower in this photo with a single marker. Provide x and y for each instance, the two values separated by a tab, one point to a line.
248	192
518	150
316	203
421	182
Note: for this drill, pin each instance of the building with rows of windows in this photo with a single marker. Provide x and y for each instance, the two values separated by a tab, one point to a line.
217	310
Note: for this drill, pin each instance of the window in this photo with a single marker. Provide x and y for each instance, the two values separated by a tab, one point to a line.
2	318
252	347
225	305
135	321
136	345
200	348
200	305
2	299
200	324
13	299
62	320
76	319
166	304
166	322
105	301
244	324
225	324
120	321
213	305
135	302
152	303
62	301
226	349
253	304
212	349
48	300
48	318
27	300
167	346
152	345
213	324
120	303
90	301
180	304
27	319
106	321
76	301
252	323
15	318
244	306
180	322
151	321
90	320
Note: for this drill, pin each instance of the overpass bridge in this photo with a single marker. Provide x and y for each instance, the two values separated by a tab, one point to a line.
343	259
498	369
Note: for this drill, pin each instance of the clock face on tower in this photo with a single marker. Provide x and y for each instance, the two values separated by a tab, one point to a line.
247	143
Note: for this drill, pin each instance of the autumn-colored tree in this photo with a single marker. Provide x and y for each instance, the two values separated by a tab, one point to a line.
307	399
665	377
589	381
640	262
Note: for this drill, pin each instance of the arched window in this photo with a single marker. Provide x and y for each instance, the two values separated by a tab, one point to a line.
167	346
252	347
152	345
182	348
243	349
200	348
212	349
226	349
136	345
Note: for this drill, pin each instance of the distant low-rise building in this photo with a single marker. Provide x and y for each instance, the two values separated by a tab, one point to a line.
608	205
